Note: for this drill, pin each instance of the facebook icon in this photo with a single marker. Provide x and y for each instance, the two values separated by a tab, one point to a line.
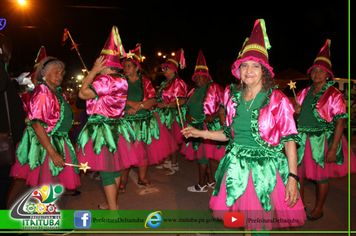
82	219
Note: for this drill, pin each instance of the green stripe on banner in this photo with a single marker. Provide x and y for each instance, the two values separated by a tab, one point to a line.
117	220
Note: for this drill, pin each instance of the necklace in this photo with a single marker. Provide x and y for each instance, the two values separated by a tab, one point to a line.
248	108
313	93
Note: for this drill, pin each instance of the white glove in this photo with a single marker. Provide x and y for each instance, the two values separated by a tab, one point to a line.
21	77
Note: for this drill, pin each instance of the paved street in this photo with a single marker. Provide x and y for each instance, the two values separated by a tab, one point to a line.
170	193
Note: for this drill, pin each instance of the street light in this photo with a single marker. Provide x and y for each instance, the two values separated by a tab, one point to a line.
160	54
21	2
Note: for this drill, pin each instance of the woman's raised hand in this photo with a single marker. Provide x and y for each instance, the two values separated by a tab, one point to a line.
99	65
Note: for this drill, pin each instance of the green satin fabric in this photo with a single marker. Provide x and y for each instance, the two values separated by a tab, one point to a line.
198	111
145	126
317	136
104	131
212	126
31	147
306	116
263	164
169	115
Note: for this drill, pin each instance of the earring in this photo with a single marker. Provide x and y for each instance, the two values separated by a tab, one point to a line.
44	78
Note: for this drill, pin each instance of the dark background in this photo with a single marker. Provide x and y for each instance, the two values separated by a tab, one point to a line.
297	31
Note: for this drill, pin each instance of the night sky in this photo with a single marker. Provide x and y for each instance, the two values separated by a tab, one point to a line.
297	30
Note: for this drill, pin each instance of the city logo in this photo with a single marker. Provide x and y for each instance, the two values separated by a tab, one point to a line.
234	219
153	220
82	219
37	209
2	23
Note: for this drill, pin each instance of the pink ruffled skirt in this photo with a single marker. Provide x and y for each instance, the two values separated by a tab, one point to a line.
311	170
175	131
161	148
255	216
42	174
127	154
207	149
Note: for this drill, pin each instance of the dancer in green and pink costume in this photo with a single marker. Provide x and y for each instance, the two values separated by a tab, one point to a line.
150	133
167	108
323	152
202	113
105	141
255	177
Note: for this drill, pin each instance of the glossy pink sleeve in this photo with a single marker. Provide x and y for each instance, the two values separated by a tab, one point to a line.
112	93
102	85
331	104
44	106
180	88
276	119
26	101
148	90
226	95
213	99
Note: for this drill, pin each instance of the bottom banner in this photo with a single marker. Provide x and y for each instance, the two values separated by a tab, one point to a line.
118	220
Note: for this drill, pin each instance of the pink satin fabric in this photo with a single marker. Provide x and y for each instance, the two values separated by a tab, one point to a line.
176	86
274	121
112	91
148	90
330	104
26	101
214	96
44	106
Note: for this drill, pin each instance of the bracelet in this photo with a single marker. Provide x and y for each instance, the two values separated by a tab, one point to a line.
141	104
206	131
205	135
294	176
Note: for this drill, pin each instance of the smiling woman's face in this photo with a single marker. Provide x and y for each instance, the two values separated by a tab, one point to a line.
251	72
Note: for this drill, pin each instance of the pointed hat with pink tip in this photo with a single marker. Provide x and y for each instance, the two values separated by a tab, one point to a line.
134	56
254	49
113	49
177	59
323	59
201	68
40	56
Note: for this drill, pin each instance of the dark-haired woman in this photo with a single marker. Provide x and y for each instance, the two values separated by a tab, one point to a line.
255	177
149	131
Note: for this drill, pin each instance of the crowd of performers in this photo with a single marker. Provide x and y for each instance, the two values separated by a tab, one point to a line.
263	142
